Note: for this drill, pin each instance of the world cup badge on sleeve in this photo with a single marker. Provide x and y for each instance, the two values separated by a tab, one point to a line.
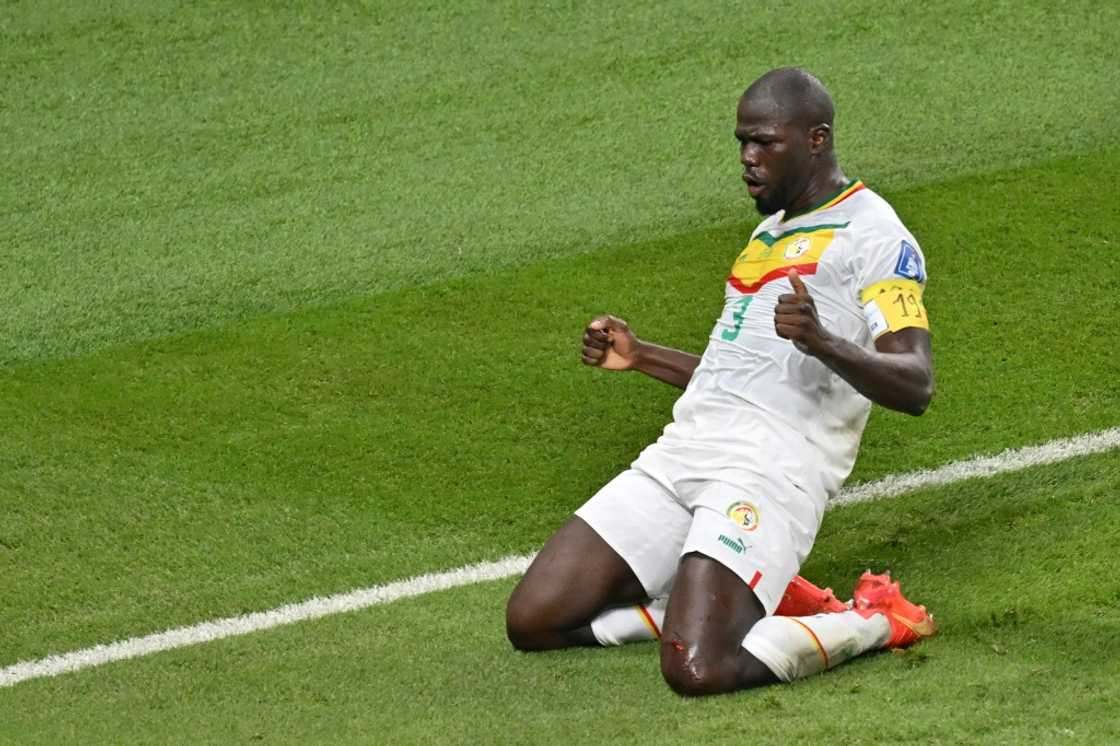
910	263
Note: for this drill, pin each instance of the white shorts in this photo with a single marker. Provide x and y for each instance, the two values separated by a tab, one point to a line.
745	527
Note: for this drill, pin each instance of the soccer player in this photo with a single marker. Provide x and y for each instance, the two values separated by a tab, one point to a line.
698	541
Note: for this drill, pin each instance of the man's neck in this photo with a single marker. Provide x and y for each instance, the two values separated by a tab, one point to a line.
822	185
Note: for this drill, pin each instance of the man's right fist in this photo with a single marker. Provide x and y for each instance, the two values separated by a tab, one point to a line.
609	343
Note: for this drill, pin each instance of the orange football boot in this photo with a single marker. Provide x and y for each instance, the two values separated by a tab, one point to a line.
802	598
876	594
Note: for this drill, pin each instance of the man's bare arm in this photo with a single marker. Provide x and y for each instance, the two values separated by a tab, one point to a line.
898	374
609	343
666	364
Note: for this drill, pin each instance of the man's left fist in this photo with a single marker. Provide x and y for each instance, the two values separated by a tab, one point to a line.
795	318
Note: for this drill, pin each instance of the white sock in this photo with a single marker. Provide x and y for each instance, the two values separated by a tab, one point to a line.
796	647
624	624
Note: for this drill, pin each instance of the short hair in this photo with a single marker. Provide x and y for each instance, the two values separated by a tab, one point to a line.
794	94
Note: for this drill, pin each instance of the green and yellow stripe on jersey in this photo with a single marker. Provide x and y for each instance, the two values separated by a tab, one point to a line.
830	201
770	257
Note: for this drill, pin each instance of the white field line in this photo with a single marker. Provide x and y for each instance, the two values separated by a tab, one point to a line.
314	608
1012	459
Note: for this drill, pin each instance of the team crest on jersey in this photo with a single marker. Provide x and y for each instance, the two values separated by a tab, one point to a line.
910	263
770	256
798	247
744	514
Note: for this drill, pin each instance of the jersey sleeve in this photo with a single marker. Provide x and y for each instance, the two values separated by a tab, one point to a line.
890	284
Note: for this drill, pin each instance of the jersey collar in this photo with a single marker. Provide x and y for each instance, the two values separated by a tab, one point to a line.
830	201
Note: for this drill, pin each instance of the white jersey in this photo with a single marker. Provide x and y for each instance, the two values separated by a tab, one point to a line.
758	409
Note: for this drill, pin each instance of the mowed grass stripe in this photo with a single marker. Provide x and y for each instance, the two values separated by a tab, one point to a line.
228	471
1018	569
174	166
363	598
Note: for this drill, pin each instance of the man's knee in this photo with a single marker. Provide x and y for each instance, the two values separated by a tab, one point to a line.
694	672
689	673
526	622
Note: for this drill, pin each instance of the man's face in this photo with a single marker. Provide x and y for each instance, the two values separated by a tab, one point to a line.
774	153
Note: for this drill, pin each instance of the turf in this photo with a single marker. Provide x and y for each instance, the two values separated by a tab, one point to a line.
291	304
167	482
174	165
1017	569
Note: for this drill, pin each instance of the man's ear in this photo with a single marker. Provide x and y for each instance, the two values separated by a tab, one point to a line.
820	138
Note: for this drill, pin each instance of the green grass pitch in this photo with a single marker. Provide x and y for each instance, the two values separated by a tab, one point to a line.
292	296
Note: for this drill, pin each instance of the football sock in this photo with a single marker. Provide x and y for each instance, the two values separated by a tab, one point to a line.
637	622
623	624
796	647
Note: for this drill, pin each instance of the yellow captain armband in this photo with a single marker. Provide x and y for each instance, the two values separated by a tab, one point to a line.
892	305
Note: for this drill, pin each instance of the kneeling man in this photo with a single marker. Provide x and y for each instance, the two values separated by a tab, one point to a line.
699	543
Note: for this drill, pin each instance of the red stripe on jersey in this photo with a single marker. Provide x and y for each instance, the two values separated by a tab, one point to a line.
754	581
774	274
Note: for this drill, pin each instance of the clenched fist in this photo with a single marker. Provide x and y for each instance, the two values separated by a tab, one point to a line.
609	343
